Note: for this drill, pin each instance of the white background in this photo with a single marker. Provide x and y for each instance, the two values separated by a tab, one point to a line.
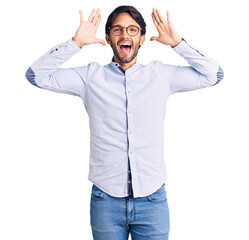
44	150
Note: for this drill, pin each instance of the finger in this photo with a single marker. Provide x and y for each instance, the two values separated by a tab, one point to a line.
153	38
156	16
160	16
168	17
154	19
98	21
170	21
81	16
91	15
95	18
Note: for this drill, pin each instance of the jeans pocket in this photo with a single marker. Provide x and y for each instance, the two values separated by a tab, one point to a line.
158	196
97	194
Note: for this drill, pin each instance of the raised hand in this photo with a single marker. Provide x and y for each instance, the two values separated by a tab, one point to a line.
86	33
167	33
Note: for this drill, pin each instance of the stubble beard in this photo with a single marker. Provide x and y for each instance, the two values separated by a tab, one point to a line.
124	59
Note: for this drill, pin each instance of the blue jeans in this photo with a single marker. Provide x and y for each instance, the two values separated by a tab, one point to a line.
114	218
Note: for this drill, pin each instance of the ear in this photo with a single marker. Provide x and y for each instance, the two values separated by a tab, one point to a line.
142	39
107	38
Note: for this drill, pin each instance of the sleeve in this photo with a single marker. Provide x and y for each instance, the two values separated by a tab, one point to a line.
202	72
46	74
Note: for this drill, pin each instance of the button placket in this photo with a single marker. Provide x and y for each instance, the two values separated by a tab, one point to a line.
129	111
129	98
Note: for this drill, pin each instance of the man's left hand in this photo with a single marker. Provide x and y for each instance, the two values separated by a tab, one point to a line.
167	33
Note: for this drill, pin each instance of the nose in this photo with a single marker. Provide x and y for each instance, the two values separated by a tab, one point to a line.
124	33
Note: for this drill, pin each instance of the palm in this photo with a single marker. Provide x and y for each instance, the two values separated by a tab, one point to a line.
167	33
86	33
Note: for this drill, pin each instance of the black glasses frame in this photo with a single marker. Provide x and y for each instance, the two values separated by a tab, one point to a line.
126	30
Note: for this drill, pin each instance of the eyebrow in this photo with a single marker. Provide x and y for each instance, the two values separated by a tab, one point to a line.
127	26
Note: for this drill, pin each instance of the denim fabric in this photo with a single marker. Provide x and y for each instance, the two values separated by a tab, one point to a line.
113	218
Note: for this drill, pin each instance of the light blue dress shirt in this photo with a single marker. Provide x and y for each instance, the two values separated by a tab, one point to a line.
126	110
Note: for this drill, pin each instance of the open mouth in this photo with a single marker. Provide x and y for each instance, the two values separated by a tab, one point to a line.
125	48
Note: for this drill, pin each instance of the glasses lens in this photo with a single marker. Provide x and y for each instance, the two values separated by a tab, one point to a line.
133	30
117	30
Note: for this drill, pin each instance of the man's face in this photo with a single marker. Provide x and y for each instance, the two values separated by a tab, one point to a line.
125	54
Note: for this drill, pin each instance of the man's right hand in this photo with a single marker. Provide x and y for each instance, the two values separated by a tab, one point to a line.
86	33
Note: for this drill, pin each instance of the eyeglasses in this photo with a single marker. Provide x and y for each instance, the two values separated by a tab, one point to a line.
117	30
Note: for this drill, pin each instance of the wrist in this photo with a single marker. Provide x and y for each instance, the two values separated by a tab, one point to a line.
175	43
79	44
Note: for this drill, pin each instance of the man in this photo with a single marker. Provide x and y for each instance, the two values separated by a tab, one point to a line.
126	104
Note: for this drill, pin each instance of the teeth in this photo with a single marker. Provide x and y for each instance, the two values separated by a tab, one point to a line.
125	44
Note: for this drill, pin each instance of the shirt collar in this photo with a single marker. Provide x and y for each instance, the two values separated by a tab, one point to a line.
116	66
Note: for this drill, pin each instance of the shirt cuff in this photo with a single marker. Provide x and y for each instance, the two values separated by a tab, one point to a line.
181	47
73	44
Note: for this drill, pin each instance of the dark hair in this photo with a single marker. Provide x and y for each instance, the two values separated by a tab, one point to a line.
128	9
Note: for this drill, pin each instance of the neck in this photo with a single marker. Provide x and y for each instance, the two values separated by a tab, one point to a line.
125	66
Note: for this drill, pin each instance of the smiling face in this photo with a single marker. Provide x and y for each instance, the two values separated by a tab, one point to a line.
125	47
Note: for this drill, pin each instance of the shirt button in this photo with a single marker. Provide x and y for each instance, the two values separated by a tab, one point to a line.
129	132
130	152
129	181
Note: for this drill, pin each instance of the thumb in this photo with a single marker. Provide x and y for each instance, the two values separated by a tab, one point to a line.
100	41
154	38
